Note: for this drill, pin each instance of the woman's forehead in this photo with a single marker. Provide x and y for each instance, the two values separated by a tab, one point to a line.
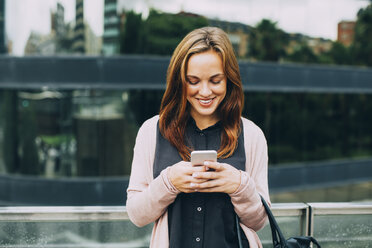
208	62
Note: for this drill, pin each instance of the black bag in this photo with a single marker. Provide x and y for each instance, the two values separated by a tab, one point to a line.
278	239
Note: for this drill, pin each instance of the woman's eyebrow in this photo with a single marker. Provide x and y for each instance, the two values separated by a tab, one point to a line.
211	77
192	77
217	75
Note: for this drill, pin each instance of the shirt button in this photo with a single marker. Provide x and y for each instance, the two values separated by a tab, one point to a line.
199	209
201	134
197	239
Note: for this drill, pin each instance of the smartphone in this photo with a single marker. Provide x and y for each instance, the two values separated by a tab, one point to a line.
198	157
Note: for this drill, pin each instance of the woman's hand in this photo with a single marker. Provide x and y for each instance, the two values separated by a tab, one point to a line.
180	175
224	178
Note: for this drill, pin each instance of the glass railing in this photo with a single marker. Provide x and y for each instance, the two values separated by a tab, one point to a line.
342	224
332	224
78	227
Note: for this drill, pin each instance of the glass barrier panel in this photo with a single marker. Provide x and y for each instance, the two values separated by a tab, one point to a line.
347	231
102	234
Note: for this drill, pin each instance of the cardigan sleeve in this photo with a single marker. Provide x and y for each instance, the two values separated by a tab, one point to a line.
147	198
254	181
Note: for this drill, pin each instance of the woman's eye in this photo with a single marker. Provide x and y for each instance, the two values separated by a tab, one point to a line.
193	82
216	82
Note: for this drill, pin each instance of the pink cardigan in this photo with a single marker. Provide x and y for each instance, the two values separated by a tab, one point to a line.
149	198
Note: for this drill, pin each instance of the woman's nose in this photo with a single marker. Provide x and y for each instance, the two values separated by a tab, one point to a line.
205	89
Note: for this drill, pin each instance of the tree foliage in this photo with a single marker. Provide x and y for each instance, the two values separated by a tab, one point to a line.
268	42
340	54
164	31
159	34
311	126
131	36
304	55
362	45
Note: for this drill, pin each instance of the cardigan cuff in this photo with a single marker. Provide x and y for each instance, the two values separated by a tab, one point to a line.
244	178
169	185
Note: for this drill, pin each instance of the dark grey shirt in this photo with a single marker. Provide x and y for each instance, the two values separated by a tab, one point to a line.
197	220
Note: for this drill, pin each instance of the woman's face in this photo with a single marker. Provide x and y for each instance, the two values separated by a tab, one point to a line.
206	86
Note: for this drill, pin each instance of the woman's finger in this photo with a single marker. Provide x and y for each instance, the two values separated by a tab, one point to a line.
214	165
199	168
210	184
208	175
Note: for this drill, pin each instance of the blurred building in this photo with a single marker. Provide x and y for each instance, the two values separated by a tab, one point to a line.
40	44
58	21
345	32
295	42
111	33
65	38
62	32
58	41
79	38
3	47
9	46
93	43
317	45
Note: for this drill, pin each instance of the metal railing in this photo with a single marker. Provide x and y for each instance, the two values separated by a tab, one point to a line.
333	224
84	213
148	72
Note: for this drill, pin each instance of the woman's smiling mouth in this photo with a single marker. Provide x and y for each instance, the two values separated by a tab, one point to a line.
205	101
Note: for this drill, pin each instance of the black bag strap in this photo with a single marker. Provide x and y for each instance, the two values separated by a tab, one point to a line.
277	235
314	242
304	241
278	238
238	231
275	230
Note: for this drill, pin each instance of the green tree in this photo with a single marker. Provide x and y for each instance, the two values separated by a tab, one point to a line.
159	34
268	42
164	31
340	54
131	35
362	45
303	55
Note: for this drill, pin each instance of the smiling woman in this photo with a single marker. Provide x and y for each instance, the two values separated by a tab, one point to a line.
201	110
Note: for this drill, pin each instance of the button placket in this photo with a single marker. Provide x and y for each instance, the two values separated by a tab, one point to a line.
198	220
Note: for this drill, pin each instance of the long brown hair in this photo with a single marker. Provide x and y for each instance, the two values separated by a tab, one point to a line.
174	109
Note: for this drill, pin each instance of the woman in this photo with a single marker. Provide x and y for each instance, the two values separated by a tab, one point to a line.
196	206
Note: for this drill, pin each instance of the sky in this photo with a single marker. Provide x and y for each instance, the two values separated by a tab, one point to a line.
316	18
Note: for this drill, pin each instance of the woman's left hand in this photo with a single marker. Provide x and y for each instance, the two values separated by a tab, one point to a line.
224	178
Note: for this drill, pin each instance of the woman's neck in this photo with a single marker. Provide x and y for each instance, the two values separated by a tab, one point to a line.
203	122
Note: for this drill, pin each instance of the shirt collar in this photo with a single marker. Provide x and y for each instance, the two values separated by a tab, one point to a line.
193	125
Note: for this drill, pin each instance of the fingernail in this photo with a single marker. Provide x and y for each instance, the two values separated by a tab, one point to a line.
206	163
194	174
206	168
192	185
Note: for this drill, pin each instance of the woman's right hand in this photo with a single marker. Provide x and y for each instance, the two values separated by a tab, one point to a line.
180	175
